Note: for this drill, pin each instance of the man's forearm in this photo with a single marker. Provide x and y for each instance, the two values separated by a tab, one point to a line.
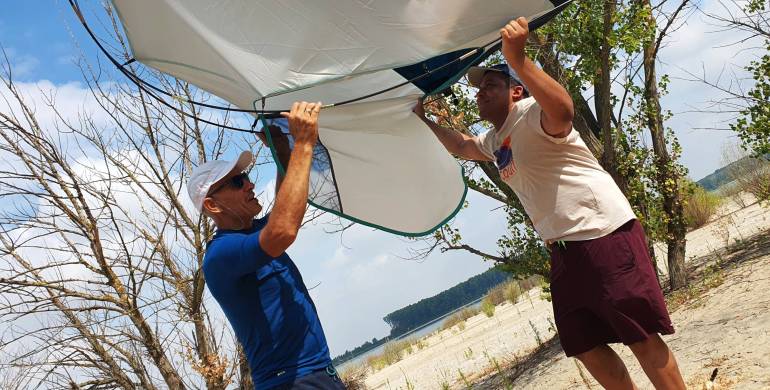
291	197
451	139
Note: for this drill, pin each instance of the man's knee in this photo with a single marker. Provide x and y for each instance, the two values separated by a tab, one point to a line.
597	355
603	362
586	357
652	347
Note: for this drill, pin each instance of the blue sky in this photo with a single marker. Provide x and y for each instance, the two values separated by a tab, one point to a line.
361	273
38	36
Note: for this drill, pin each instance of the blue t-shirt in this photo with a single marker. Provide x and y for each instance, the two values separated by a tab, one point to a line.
268	306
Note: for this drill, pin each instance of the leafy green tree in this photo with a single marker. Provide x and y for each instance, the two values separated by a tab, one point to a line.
669	174
753	122
590	49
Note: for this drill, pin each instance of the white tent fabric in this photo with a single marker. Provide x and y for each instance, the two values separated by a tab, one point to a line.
385	167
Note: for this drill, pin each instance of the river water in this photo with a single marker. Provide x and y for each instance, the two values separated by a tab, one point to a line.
416	334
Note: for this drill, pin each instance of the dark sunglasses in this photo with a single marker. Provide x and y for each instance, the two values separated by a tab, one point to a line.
237	182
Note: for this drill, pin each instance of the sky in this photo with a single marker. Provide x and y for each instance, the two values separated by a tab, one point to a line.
361	275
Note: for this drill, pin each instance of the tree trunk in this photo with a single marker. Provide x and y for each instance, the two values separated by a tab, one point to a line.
602	99
668	179
677	274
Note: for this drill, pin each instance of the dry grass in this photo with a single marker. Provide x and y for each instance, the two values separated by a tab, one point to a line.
487	307
512	292
392	353
754	179
700	207
496	295
703	381
690	296
354	378
459	318
748	174
531	282
502	373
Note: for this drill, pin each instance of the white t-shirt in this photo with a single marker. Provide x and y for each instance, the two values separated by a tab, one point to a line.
566	193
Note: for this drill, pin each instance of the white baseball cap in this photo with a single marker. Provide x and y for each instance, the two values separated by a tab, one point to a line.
476	74
210	172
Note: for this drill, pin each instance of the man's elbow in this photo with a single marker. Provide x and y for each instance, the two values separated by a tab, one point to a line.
275	241
567	114
456	149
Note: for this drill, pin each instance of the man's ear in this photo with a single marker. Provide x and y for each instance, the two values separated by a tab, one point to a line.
210	205
517	93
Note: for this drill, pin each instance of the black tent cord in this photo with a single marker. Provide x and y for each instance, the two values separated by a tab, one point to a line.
153	90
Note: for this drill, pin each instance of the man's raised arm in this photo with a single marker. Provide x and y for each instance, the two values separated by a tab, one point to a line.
555	101
455	142
291	198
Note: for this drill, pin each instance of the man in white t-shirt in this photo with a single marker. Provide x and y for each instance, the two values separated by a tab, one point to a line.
603	285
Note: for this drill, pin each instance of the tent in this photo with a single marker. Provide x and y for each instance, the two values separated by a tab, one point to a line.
376	162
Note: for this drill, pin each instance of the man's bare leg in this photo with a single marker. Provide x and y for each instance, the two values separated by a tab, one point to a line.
607	368
658	363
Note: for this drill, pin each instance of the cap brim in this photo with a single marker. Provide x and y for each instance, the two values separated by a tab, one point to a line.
241	164
476	74
244	160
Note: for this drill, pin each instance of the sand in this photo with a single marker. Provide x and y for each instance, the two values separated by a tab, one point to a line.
728	327
473	350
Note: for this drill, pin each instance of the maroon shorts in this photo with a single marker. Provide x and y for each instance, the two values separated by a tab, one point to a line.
605	291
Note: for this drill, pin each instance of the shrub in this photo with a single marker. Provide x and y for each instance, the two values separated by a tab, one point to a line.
488	307
392	353
459	318
512	291
354	377
700	207
532	281
748	173
496	295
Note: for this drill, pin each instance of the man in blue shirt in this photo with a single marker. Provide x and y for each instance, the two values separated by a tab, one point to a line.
248	271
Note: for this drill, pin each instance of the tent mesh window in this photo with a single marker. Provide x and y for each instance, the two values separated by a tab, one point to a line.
323	191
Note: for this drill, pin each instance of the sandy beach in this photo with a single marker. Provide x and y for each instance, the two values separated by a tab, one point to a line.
725	328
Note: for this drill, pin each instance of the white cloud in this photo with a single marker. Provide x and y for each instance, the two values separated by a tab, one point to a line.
67	59
340	259
72	100
23	65
363	275
696	47
701	48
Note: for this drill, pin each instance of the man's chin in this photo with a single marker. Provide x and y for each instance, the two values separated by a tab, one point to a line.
483	111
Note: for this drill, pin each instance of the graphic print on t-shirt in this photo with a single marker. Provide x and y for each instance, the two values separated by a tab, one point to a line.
504	159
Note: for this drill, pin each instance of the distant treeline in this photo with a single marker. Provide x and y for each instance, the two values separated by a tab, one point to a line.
405	319
408	318
716	179
363	348
723	175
